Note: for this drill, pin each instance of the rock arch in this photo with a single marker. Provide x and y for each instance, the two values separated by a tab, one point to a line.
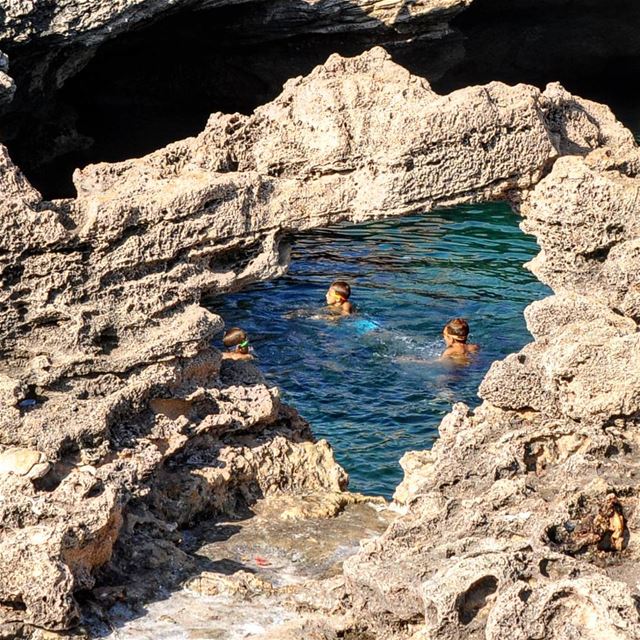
357	139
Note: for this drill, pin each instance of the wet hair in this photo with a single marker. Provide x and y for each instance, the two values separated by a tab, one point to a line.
458	328
341	288
233	337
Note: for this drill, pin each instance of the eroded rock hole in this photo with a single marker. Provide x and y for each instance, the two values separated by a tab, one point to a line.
554	569
524	595
32	398
235	258
13	605
11	275
474	599
108	340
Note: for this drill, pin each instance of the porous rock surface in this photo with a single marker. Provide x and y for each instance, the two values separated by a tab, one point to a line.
145	426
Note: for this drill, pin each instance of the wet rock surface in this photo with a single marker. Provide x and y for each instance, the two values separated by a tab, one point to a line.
249	574
108	373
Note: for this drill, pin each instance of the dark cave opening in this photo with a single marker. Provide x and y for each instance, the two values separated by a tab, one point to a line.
159	83
591	47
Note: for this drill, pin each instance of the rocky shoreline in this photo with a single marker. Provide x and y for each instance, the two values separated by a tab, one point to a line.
120	424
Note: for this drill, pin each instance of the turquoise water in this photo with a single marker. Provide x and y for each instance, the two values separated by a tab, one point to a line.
371	384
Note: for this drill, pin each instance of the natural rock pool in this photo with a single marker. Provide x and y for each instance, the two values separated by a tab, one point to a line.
371	384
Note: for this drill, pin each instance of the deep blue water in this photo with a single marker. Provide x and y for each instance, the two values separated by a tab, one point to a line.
371	384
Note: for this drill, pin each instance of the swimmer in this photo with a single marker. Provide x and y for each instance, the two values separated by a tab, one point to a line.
455	335
237	341
338	298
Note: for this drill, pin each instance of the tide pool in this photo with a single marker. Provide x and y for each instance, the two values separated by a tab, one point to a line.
371	383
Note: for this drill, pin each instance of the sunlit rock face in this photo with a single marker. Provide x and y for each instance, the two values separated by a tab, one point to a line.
108	371
358	139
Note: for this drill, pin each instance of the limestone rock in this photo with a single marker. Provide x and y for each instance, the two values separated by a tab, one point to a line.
591	252
547	316
7	88
579	608
241	583
7	85
313	505
51	543
415	465
521	521
210	475
584	371
211	213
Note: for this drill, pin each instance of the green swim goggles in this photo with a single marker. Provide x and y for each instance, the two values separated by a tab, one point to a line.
244	344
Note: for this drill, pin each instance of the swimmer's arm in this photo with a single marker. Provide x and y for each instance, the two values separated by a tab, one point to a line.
347	308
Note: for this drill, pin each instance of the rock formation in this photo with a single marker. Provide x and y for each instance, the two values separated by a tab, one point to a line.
522	521
77	99
108	375
7	85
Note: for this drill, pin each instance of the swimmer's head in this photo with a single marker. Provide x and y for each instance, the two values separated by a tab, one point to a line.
236	337
338	292
456	330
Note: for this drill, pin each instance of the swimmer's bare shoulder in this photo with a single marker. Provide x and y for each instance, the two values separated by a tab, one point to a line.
345	309
456	353
348	308
449	352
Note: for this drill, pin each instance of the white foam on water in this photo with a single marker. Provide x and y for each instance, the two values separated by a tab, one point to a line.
188	615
